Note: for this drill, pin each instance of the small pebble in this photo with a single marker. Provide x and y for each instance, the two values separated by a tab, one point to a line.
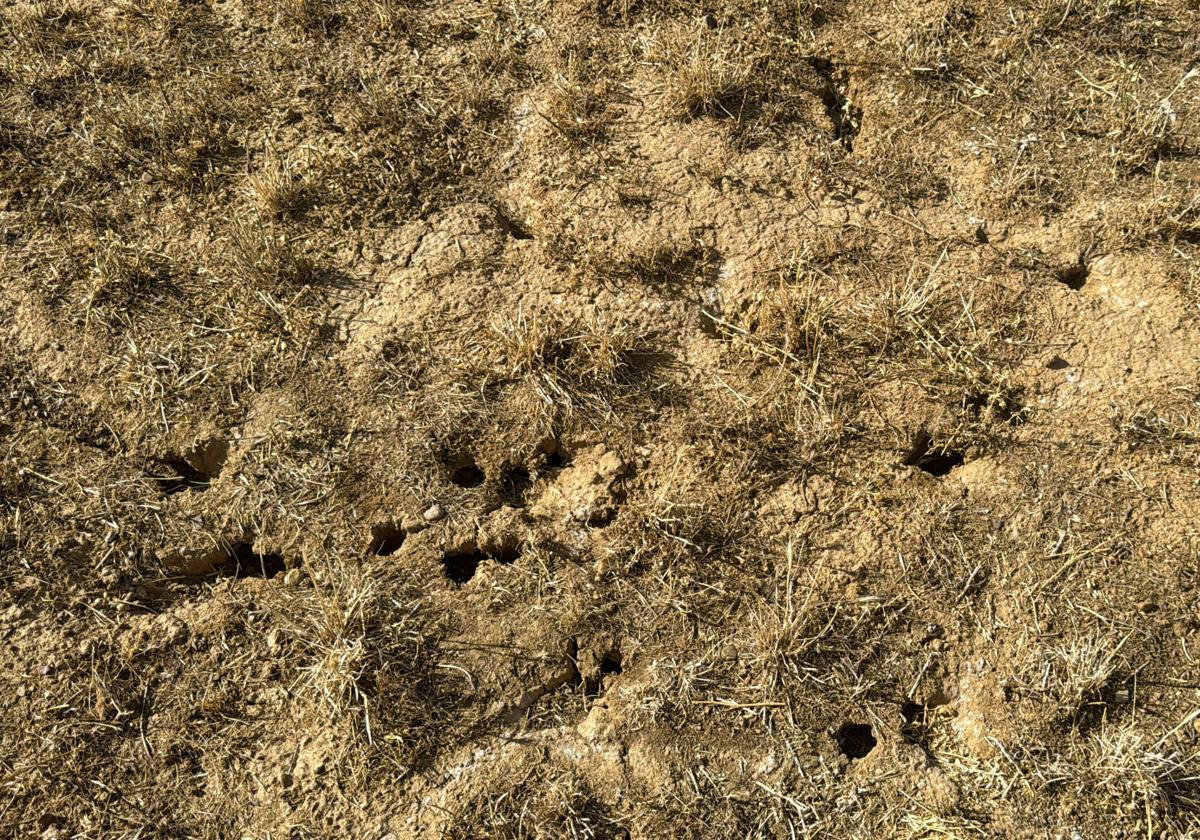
293	577
433	513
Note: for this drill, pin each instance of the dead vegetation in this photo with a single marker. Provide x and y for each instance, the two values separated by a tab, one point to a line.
761	452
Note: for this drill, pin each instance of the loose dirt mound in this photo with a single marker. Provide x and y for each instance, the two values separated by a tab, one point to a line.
606	418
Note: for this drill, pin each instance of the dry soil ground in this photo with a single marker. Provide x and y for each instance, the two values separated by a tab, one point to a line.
599	418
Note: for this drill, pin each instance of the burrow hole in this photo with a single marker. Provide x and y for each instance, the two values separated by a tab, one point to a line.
386	538
845	117
855	740
926	455
460	566
464	472
514	484
243	561
554	457
1074	276
1058	363
192	470
610	665
913	714
174	475
1005	408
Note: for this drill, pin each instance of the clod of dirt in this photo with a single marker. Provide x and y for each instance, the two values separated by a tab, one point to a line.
1074	276
386	538
433	513
587	491
855	740
928	457
568	674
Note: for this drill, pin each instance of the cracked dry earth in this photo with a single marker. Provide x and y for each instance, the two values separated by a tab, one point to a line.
775	420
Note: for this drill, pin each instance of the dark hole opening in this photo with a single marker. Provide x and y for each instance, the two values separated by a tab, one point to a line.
1058	363
914	718
1006	407
927	456
386	538
176	475
842	113
467	475
244	562
506	554
855	740
556	458
1073	276
610	665
514	483
461	566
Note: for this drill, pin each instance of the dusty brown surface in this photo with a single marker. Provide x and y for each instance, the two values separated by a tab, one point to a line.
599	419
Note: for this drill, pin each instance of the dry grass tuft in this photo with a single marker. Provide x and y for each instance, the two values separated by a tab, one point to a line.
708	74
281	188
1131	770
264	257
576	106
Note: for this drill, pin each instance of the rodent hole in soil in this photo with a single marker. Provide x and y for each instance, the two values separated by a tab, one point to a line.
1073	276
243	562
610	665
466	473
554	457
914	718
855	740
1006	408
461	566
184	477
927	456
841	111
1058	363
514	483
506	554
386	538
192	470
